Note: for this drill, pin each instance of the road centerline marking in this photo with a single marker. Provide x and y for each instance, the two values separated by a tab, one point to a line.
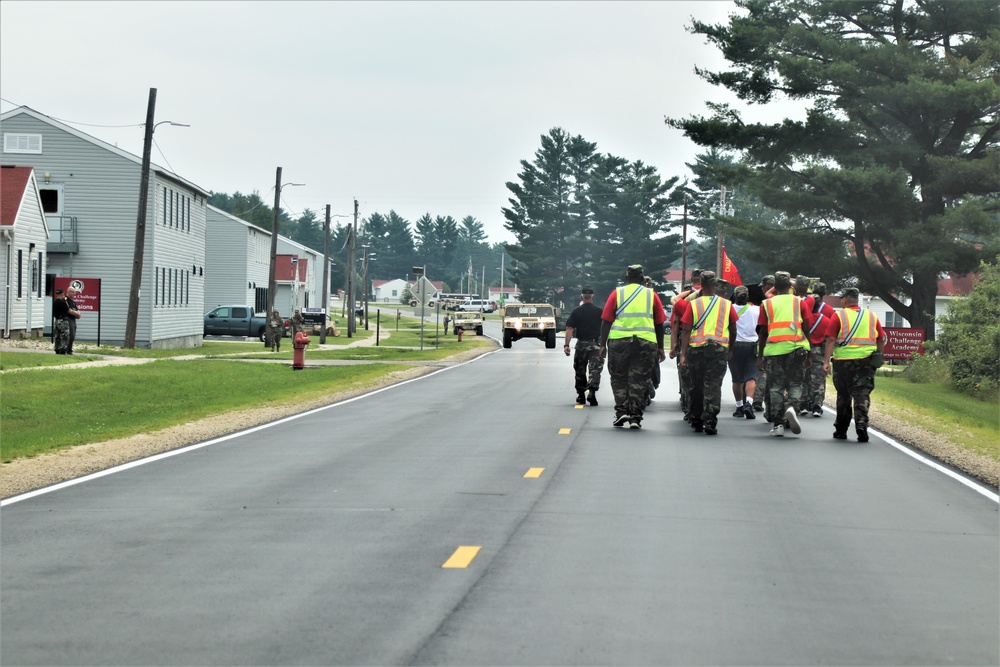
461	558
565	431
534	473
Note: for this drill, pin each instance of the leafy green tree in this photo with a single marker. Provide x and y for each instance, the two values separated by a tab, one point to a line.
549	216
390	238
897	157
970	335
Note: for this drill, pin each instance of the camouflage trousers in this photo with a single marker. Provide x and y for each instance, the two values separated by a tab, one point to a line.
684	381
814	389
61	336
707	367
275	339
785	375
630	364
760	393
854	380
587	365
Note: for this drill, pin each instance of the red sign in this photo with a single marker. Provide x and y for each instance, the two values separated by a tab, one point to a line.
88	292
902	343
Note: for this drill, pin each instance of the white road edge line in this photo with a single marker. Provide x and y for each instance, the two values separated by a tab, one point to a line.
214	441
972	484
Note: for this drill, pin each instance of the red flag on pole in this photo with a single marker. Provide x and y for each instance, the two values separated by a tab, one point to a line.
729	271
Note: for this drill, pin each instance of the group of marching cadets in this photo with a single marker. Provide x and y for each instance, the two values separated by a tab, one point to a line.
779	342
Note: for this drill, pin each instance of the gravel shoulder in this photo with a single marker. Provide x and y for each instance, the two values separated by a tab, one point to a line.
23	475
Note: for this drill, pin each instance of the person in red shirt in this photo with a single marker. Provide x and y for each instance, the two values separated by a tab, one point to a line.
817	319
706	346
630	345
680	306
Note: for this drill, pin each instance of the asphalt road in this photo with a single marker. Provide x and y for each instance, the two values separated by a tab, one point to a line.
322	540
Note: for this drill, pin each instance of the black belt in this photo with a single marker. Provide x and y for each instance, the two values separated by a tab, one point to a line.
746	342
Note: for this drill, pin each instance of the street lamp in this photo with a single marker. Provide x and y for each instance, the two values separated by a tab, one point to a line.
272	286
132	317
720	209
368	256
418	273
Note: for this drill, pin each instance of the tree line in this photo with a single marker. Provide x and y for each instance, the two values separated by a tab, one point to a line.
448	248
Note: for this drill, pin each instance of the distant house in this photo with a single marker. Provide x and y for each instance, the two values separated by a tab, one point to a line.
237	259
509	293
389	291
301	285
23	235
90	193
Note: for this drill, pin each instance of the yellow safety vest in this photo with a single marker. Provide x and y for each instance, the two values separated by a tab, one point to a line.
634	316
784	325
714	327
865	338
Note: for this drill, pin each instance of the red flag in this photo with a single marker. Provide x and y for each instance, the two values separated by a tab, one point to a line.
729	271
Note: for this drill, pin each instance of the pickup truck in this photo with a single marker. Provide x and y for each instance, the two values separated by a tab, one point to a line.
238	321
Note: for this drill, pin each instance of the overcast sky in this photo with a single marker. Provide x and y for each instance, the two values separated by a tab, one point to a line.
420	107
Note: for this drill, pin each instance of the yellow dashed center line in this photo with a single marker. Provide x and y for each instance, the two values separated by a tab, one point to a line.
565	431
578	407
462	557
534	472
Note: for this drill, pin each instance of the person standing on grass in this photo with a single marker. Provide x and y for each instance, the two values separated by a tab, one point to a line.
275	328
73	315
852	336
588	364
60	313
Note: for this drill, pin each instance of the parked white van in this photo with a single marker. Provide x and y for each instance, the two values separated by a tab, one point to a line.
477	305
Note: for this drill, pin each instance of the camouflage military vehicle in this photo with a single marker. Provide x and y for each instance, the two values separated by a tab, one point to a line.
529	320
468	321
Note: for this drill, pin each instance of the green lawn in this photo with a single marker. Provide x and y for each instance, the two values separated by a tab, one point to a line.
10	359
970	422
100	403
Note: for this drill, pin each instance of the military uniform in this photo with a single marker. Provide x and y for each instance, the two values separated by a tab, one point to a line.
633	335
852	336
275	327
584	323
814	391
709	331
785	351
60	312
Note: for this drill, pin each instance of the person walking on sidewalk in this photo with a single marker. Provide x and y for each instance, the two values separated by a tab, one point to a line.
853	338
784	353
585	323
631	341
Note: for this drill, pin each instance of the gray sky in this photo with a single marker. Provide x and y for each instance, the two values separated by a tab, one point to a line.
414	106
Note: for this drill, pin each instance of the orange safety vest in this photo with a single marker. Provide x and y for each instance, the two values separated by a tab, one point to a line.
710	321
784	325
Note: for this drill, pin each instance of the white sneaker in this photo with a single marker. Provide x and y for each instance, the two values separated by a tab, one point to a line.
778	430
793	421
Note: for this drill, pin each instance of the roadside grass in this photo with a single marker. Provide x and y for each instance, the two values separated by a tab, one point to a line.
44	412
207	349
972	423
12	359
384	352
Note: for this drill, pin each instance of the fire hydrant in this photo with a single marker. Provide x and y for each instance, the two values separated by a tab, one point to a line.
299	351
458	332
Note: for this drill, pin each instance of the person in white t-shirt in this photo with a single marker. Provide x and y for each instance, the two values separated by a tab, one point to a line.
743	362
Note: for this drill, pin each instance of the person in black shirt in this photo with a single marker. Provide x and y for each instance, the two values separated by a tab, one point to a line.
60	329
73	316
585	322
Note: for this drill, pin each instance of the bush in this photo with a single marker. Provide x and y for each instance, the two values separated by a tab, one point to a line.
927	367
970	335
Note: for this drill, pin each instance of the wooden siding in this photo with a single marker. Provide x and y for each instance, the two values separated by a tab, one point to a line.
101	189
28	228
237	260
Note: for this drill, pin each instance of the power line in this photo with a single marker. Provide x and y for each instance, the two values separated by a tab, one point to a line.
74	122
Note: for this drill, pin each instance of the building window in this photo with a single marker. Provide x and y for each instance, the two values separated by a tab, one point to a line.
20	272
164	206
22	143
50	200
893	319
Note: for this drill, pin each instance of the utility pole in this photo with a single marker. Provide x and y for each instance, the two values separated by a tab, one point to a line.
326	276
684	247
131	322
271	282
352	268
722	234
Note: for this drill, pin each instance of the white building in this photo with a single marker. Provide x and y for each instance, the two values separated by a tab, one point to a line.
23	238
